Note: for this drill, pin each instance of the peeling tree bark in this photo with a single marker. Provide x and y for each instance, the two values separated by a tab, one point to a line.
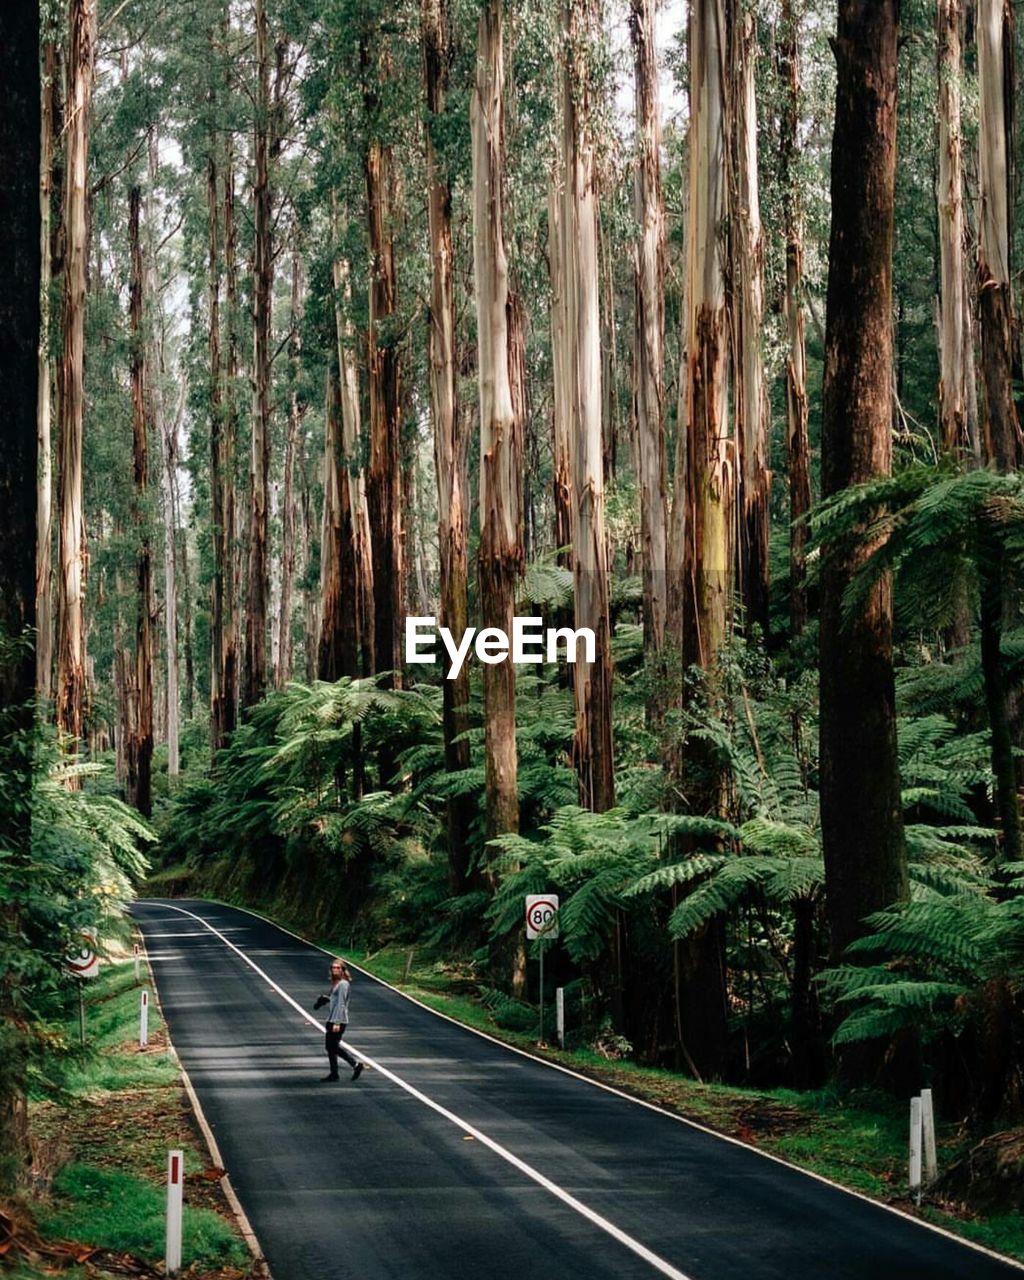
44	410
500	556
797	443
1004	443
747	319
649	339
139	665
292	445
451	436
954	337
255	671
346	646
592	682
704	511
167	428
384	478
71	675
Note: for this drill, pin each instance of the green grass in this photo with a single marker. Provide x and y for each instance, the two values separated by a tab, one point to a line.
117	1110
117	1211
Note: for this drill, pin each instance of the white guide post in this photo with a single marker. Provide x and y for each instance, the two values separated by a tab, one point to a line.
931	1164
560	1015
915	1148
175	1183
144	1020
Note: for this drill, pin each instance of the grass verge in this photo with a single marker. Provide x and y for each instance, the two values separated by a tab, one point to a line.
102	1122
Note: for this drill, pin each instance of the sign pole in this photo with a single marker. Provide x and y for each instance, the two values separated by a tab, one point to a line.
540	944
931	1167
915	1149
81	1014
560	1015
175	1178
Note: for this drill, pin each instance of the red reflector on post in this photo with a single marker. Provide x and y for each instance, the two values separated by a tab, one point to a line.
175	1170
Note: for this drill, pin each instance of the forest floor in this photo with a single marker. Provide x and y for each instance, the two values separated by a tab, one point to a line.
100	1137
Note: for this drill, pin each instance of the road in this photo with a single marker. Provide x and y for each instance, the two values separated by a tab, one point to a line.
456	1157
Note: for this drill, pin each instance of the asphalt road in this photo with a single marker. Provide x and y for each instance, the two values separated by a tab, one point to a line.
454	1157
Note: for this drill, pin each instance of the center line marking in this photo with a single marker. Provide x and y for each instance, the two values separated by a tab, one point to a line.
658	1263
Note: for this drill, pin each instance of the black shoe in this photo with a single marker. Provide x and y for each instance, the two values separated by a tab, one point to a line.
332	1076
357	1071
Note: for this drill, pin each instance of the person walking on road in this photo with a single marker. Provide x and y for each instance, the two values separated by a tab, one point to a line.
336	1020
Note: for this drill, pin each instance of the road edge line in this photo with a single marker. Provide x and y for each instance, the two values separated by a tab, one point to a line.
235	1205
635	1246
642	1102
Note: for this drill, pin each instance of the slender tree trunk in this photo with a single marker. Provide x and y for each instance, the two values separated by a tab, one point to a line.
384	480
221	708
561	357
451	437
862	827
650	326
292	444
255	676
44	498
997	696
338	653
73	555
592	682
169	427
953	338
500	556
231	511
797	444
139	720
747	315
166	427
310	594
347	636
704	512
19	356
1004	443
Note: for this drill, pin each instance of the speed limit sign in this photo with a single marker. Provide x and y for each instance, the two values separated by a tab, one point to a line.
542	915
83	963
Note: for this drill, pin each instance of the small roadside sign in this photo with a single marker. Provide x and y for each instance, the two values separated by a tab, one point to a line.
84	962
542	915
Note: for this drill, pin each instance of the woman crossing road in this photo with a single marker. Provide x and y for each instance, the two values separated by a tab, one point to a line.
336	1017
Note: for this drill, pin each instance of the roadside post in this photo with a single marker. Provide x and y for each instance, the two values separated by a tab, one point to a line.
83	964
931	1164
175	1179
542	925
915	1149
560	1015
144	1020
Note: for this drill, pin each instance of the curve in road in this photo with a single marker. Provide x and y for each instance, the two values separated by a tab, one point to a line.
454	1156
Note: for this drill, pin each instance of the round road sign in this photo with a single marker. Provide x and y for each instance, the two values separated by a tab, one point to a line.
542	915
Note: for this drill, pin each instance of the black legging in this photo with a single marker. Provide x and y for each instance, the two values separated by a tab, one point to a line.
335	1049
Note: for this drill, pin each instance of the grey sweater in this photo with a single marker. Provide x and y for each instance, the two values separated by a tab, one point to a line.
337	1007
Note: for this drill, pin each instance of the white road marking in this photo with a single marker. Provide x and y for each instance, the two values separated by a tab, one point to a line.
658	1263
690	1123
